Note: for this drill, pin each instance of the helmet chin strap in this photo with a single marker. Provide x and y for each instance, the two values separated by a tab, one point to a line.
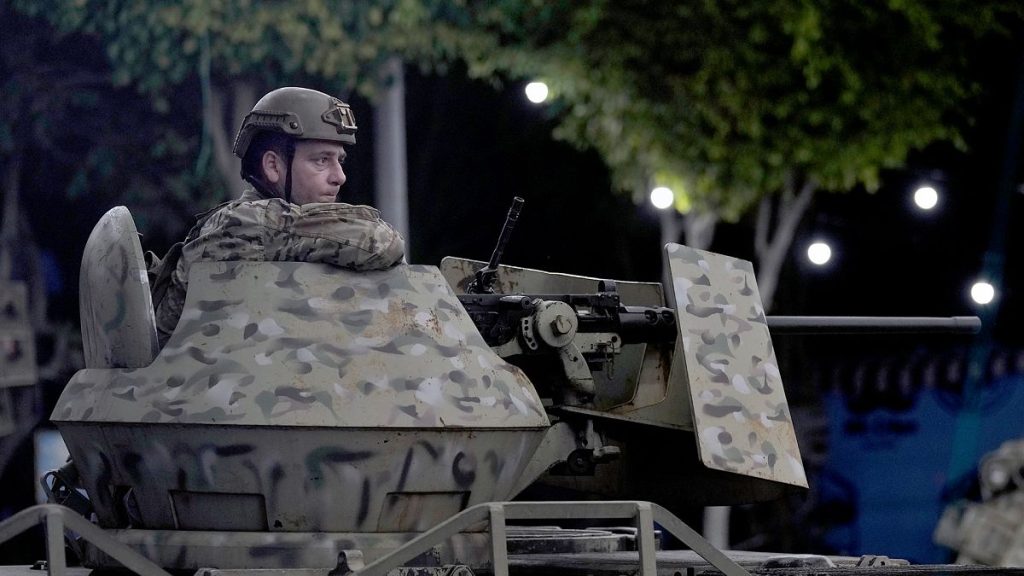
289	156
262	187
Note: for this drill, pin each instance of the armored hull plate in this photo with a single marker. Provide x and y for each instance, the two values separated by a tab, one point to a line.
302	397
293	344
291	480
118	325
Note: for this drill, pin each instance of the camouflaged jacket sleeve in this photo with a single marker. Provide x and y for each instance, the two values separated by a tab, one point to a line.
344	235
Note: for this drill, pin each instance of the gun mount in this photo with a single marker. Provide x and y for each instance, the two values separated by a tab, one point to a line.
309	418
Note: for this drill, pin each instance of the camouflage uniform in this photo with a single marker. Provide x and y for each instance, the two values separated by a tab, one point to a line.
258	228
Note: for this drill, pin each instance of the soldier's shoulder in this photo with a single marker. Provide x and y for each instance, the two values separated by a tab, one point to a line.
245	208
343	210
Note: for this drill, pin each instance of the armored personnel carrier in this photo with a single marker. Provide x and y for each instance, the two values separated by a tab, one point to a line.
309	420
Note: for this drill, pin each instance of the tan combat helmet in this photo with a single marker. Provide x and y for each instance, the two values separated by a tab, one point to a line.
298	112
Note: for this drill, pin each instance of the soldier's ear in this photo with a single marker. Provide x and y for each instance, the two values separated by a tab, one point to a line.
273	167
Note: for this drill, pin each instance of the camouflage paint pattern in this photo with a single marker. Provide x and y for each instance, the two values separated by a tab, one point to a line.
740	414
253	228
268	362
291	479
118	329
286	343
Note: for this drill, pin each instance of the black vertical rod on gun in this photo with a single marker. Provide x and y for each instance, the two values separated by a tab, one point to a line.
484	280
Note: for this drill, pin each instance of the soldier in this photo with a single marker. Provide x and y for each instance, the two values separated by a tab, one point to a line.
292	146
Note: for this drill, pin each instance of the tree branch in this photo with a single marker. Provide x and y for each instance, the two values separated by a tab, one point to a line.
242	102
699	228
227	165
764	221
791	210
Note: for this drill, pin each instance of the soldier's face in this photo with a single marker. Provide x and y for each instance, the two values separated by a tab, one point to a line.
317	172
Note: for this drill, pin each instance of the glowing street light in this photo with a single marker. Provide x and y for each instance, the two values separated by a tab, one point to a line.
926	197
662	197
819	253
982	292
537	92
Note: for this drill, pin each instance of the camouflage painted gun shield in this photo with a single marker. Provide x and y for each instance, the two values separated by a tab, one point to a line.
740	413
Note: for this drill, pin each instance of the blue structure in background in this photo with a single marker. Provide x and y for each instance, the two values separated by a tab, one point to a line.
888	467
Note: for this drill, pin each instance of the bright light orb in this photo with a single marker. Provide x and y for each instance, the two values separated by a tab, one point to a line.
982	292
537	92
662	197
819	253
926	197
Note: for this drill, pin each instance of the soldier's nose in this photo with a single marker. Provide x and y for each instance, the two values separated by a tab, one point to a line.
337	177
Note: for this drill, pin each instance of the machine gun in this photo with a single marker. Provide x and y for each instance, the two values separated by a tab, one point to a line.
588	331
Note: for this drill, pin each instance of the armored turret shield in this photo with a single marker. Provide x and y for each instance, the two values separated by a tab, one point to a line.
304	397
740	414
118	325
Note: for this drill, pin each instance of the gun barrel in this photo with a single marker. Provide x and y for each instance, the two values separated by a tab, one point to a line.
873	325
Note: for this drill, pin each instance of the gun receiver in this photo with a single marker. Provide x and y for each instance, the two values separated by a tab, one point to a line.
499	317
483	283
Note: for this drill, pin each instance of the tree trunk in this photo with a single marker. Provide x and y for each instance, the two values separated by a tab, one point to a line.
771	249
700	229
669	220
222	130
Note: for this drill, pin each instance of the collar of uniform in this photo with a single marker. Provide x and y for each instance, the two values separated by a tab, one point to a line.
250	194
